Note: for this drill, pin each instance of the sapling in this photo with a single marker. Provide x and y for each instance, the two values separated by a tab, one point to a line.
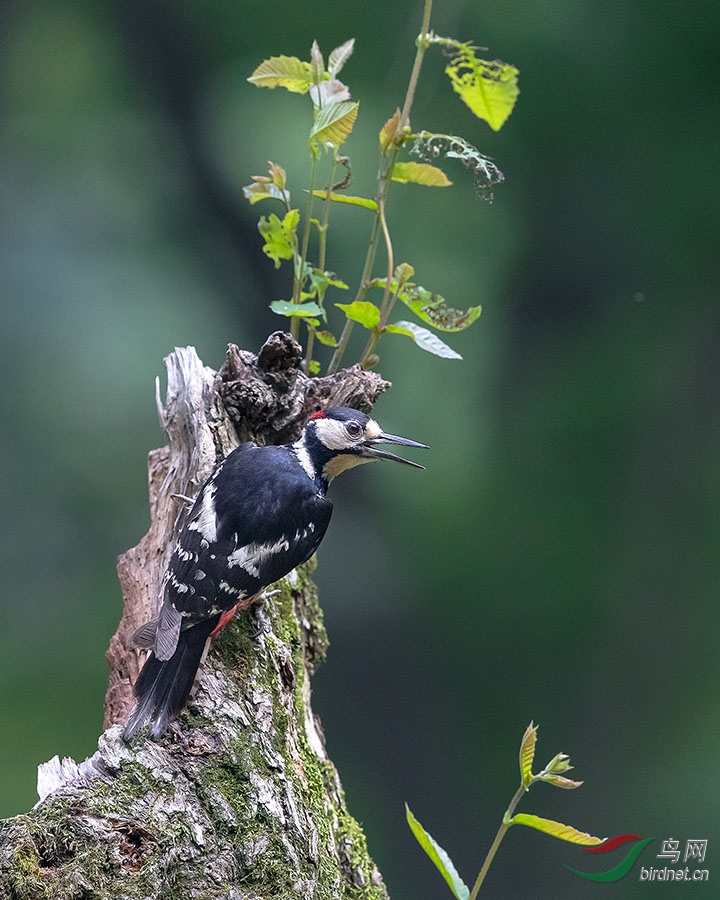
488	88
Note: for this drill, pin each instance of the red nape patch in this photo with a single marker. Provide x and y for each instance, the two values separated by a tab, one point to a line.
320	414
224	619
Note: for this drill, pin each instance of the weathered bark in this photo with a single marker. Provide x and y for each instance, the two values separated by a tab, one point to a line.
239	800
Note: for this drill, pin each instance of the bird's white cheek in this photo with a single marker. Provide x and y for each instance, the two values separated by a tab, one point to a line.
332	434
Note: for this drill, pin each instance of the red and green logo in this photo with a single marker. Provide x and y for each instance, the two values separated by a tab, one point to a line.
622	868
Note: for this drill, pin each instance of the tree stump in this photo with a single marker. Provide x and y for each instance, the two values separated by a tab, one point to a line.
238	800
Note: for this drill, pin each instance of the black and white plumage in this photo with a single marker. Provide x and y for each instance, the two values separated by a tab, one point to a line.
261	514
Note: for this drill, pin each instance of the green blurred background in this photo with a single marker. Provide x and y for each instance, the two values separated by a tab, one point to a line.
557	561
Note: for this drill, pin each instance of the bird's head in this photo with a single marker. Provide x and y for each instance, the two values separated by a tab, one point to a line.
339	438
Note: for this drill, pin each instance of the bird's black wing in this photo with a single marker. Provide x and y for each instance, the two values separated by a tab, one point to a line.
256	519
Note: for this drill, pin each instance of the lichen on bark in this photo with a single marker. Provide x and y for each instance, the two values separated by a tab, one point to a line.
239	800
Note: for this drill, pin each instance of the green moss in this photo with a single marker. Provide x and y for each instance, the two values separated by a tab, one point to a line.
58	859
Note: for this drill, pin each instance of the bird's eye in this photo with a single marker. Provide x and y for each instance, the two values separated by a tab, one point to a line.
354	429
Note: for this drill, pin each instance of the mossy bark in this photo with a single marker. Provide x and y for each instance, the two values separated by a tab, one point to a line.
239	800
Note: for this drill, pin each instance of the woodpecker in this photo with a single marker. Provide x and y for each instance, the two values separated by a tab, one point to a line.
261	513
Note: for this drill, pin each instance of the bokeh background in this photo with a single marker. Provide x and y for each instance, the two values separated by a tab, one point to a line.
557	561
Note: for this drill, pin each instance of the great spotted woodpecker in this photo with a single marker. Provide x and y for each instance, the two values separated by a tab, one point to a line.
261	513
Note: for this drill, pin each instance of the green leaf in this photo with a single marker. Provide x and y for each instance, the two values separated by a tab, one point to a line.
420	173
344	198
527	753
280	238
327	338
396	329
425	339
339	56
283	71
314	367
489	89
321	281
559	764
334	122
362	311
286	308
436	853
431	308
557	829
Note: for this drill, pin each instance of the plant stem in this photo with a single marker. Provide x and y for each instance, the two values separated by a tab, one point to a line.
422	45
502	831
387	301
389	159
326	214
309	351
298	277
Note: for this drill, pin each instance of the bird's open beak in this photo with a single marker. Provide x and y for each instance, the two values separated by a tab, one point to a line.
370	451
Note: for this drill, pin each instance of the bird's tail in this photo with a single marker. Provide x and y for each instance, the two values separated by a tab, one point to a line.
163	686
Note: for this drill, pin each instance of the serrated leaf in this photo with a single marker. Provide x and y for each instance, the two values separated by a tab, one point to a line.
559	781
314	367
431	308
488	89
283	71
362	311
426	340
339	56
557	829
279	235
333	123
387	132
527	753
420	173
345	198
286	308
327	338
439	857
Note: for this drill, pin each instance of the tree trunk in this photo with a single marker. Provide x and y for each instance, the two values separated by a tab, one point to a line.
239	800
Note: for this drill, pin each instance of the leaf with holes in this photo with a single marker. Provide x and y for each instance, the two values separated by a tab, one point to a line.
420	173
425	339
334	123
440	858
283	71
488	89
431	308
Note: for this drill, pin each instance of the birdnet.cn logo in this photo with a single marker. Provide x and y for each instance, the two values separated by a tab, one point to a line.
679	860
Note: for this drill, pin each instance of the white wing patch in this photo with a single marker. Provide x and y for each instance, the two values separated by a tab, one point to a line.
206	521
251	556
